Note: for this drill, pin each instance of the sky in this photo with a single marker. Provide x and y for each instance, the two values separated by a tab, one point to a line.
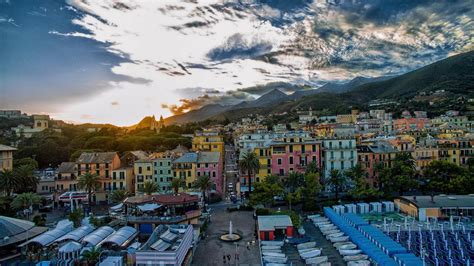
112	61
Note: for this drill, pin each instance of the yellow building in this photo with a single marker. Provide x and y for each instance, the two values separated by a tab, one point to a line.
143	170
448	150
424	155
66	179
345	119
440	207
209	141
6	157
123	179
184	168
265	160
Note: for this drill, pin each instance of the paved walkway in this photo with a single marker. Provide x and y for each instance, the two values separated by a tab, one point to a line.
211	250
328	249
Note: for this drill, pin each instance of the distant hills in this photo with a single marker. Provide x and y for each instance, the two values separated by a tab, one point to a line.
454	75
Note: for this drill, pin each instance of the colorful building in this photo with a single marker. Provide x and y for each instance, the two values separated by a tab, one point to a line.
123	179
143	170
210	141
192	165
101	164
6	157
412	123
371	156
66	179
424	155
274	227
338	154
293	155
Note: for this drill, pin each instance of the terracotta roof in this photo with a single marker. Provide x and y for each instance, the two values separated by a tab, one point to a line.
96	157
67	167
165	199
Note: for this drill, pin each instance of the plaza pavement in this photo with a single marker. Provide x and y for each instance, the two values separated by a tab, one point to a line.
210	251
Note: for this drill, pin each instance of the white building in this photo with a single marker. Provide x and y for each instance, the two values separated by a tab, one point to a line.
168	245
338	154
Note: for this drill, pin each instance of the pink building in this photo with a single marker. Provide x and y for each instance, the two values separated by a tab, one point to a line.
210	163
293	155
406	124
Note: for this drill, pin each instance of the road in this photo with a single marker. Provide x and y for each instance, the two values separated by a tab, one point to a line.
231	172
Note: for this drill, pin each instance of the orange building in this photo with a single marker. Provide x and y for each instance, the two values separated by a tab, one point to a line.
101	164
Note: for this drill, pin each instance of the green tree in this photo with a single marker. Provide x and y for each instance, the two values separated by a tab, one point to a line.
150	187
27	180
312	168
25	201
294	181
90	183
438	175
310	190
250	164
91	256
204	184
292	197
25	161
264	192
8	182
273	179
75	217
176	184
401	176
337	181
119	195
378	169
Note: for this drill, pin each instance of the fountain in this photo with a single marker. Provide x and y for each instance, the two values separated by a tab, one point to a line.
230	237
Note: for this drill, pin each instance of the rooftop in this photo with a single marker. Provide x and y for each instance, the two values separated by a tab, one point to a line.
6	148
270	222
165	199
67	167
442	201
96	157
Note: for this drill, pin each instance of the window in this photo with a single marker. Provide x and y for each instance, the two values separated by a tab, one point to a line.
198	165
198	173
313	148
342	165
340	144
214	174
189	173
161	179
291	148
161	172
148	168
332	155
261	152
114	175
342	155
140	170
279	161
291	160
313	159
206	165
122	175
282	171
161	163
303	148
332	165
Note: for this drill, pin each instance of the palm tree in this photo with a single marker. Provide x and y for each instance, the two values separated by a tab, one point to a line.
90	183
250	164
176	183
8	182
26	178
92	255
25	200
337	180
204	183
119	195
150	187
312	167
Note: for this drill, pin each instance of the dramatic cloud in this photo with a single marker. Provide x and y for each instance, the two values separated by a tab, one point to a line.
167	57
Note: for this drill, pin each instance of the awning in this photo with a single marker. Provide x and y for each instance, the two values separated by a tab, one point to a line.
149	207
117	207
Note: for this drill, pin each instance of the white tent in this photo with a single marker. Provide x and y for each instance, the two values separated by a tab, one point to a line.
149	207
